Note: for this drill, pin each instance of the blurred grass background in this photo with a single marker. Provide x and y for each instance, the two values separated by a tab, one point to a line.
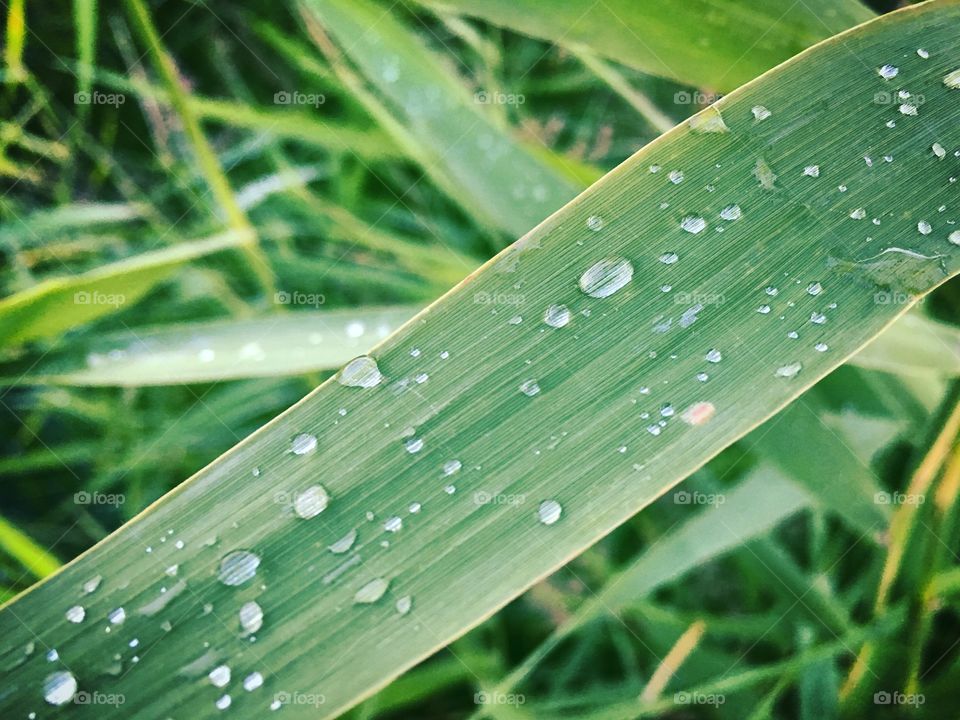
260	162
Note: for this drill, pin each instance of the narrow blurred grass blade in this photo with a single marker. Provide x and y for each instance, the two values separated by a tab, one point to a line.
586	413
443	126
695	41
914	345
55	305
293	343
85	24
25	551
16	31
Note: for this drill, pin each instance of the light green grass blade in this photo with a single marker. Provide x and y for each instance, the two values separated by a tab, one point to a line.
20	546
698	42
16	32
601	415
448	130
914	345
55	305
85	24
284	344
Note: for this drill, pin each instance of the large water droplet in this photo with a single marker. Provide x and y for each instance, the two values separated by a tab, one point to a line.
360	372
311	502
303	444
59	688
372	591
549	512
238	567
606	277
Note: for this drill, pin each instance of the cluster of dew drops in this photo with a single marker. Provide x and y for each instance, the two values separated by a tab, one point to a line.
601	280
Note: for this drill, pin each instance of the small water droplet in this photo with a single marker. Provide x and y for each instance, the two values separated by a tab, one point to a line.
372	591
76	614
451	466
698	413
219	676
404	604
888	72
812	171
818	318
557	316
360	372
731	212
952	80
413	444
92	584
939	150
821	347
908	109
954	237
669	258
760	113
606	277
59	688
311	502
344	543
924	227
713	356
238	567
923	53
393	524
414	508
764	309
549	512
676	176
858	214
595	223
693	225
251	617
223	702
117	616
303	444
814	288
529	388
703	377
252	681
789	371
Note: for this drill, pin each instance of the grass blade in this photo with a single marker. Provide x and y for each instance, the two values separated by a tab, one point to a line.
528	409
